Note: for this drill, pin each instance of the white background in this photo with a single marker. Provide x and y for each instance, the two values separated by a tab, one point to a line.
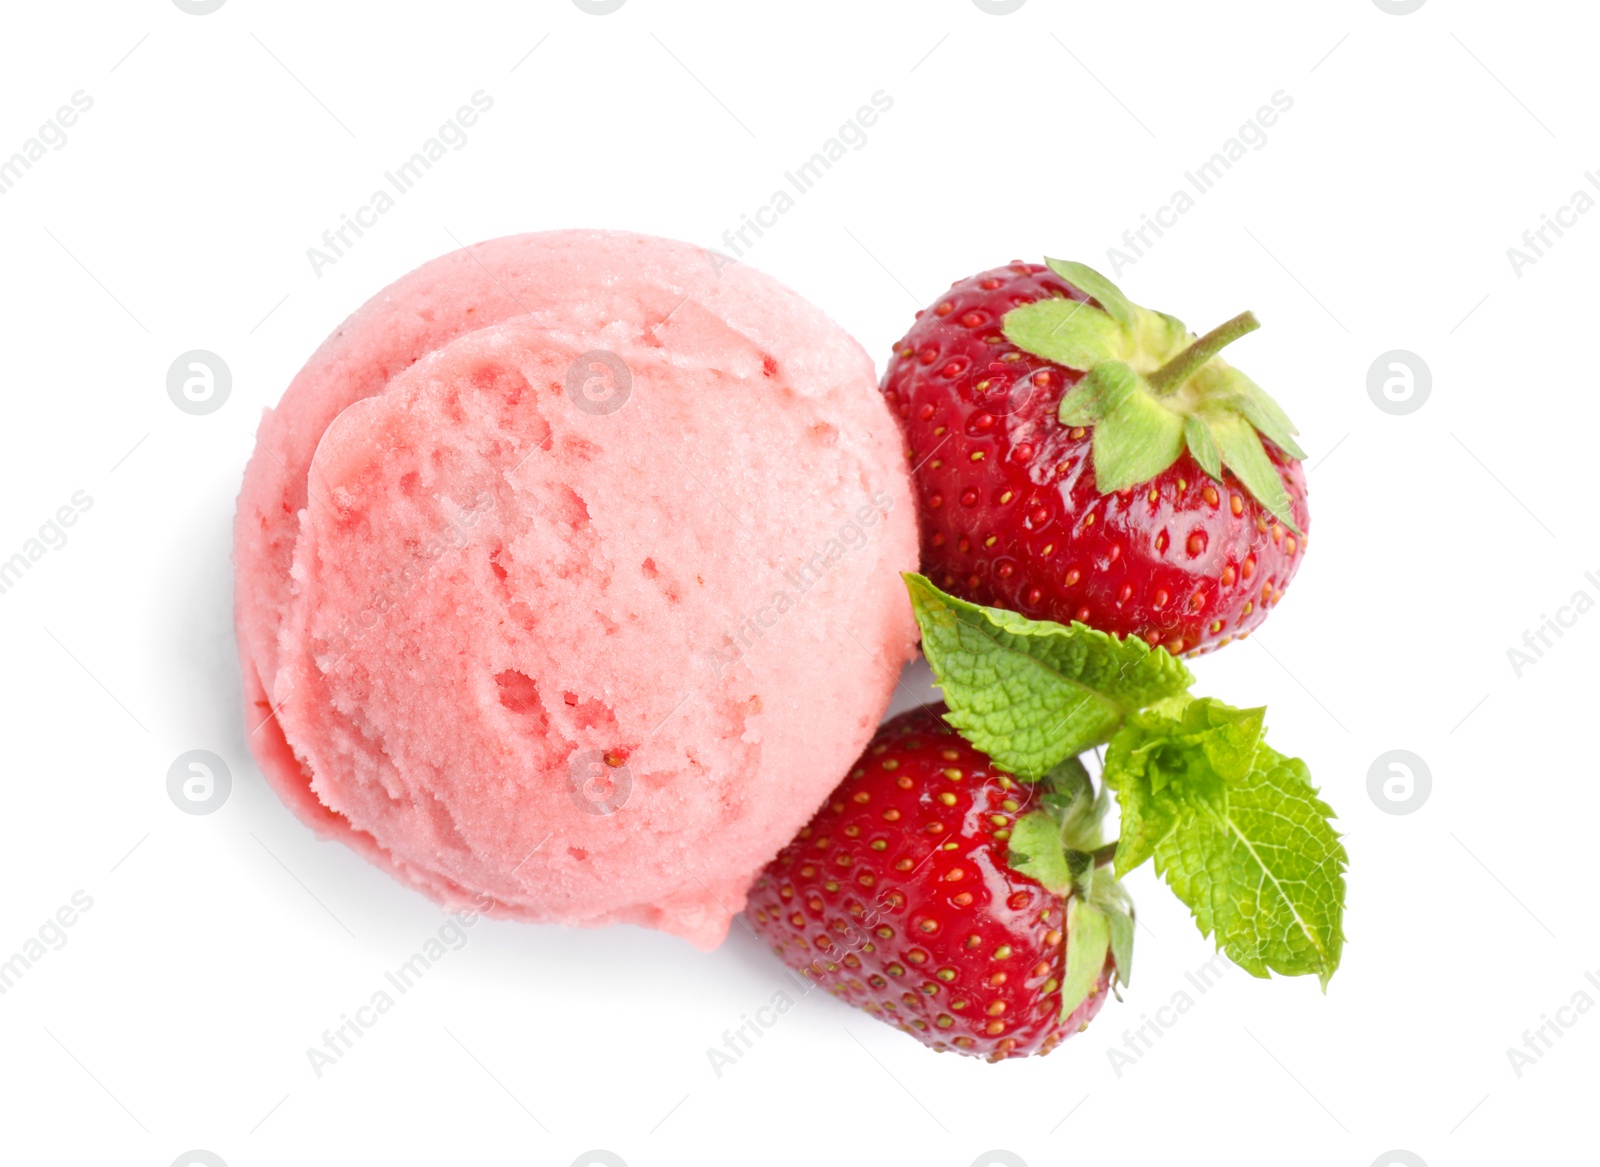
1377	217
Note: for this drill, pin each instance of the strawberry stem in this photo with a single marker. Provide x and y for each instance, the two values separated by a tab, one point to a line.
1181	367
1104	855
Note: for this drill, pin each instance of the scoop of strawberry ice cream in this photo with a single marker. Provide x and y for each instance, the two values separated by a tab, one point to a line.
567	578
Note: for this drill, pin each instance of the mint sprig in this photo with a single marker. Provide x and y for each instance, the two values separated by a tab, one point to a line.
1235	828
1237	831
1030	693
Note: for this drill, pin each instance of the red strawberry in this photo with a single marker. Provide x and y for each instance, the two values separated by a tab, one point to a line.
898	898
1077	457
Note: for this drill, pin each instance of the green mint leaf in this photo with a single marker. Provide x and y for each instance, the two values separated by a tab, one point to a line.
1237	831
1036	850
1268	880
1148	814
1170	759
1068	332
1088	941
1030	693
1092	283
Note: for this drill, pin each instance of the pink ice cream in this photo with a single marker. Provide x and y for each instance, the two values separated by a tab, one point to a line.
568	578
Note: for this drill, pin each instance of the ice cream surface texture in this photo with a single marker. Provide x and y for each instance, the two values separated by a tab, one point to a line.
567	578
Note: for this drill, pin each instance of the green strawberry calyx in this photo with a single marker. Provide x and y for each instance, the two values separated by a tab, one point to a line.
1235	828
1152	390
1061	844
